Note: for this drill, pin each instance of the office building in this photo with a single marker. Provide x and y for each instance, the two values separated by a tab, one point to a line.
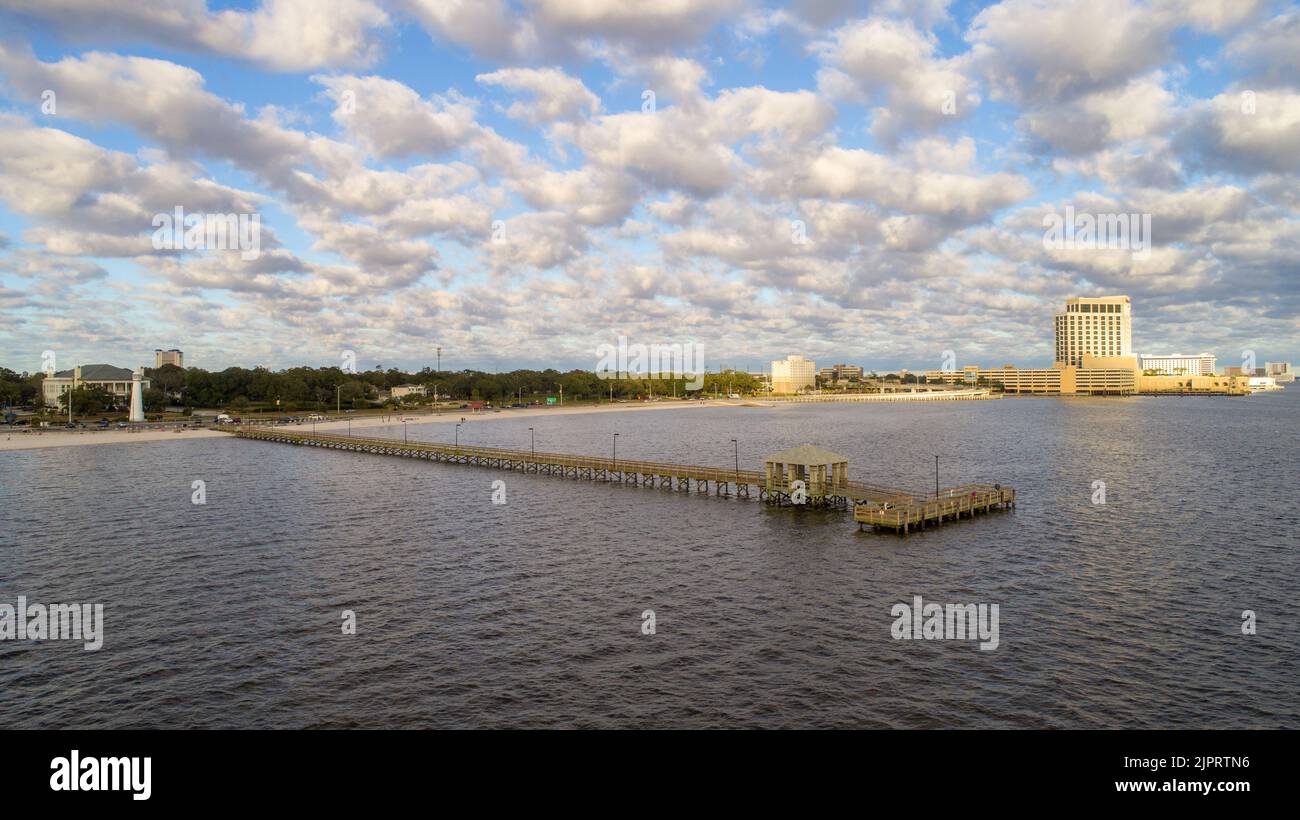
840	373
792	374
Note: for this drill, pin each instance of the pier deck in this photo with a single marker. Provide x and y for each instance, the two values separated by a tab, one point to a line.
903	514
905	510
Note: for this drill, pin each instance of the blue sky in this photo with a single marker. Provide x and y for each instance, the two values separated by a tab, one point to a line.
483	177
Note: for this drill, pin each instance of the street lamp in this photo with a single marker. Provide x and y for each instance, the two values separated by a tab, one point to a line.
615	467
338	405
458	435
737	446
533	436
936	476
403	431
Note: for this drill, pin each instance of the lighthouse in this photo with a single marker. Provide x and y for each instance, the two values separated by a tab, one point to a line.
137	395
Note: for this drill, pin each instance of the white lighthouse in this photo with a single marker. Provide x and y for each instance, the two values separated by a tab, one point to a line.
137	395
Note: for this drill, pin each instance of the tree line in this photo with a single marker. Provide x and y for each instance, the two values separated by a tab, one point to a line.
307	388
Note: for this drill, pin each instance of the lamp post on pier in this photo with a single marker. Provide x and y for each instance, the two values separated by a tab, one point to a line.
533	437
615	467
458	436
737	446
936	476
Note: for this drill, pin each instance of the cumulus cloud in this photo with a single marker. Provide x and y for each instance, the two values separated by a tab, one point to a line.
892	63
555	95
878	171
283	35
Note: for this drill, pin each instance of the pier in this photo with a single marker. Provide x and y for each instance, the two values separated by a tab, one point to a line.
804	475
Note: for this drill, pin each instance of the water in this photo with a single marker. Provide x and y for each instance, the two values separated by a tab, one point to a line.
528	614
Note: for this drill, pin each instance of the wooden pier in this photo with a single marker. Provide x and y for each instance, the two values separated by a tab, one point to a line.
782	482
906	513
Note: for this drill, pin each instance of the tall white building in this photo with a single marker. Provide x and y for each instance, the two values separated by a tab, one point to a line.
1176	364
173	356
792	374
1101	327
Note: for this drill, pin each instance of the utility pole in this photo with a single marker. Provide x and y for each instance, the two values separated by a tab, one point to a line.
440	360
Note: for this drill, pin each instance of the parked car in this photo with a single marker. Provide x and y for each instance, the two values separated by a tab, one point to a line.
121	424
103	423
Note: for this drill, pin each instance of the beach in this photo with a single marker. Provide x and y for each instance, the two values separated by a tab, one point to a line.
29	439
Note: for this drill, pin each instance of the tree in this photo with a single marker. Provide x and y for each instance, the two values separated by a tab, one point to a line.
88	400
169	378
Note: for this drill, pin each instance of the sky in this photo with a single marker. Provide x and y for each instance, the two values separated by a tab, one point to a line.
519	182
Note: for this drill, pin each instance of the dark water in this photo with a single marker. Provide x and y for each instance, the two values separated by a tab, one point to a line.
528	614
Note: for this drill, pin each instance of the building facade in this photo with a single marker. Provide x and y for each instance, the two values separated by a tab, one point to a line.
409	390
173	356
840	373
792	374
114	380
1280	371
1100	326
1176	364
1115	376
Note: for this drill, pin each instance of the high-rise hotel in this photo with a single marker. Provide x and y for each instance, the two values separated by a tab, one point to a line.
1100	327
1094	357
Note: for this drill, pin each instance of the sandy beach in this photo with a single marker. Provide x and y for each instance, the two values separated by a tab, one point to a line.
52	437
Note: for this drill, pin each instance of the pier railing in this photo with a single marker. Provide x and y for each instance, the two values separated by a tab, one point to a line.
903	513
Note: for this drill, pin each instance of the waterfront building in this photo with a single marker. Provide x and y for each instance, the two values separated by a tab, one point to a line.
1280	371
173	356
1100	326
409	390
792	374
1176	364
840	373
114	380
1203	384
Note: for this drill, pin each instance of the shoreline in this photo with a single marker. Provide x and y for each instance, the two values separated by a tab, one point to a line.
34	440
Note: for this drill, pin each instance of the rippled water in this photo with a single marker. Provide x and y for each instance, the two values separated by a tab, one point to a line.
528	614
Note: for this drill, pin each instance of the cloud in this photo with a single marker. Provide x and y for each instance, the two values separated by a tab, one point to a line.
890	62
390	120
282	35
556	95
1245	132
